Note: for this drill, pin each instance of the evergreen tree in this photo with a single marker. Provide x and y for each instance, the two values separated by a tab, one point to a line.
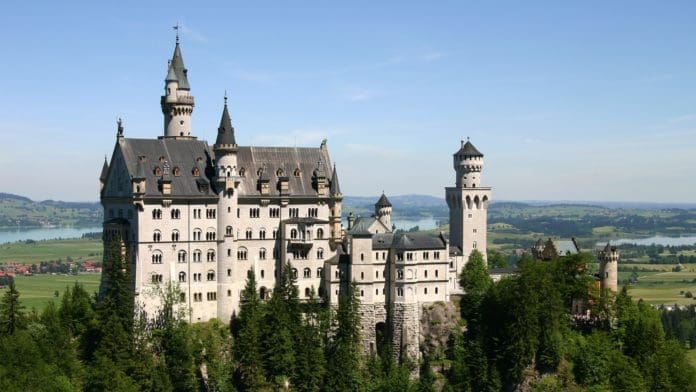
11	316
474	281
344	367
281	321
309	368
249	374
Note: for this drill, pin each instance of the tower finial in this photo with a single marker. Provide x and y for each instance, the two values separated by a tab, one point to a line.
176	27
225	97
119	127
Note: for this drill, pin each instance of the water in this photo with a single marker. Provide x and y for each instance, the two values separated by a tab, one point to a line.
44	233
657	240
423	224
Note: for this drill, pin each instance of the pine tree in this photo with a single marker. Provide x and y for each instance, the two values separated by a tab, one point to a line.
474	280
344	367
11	316
309	368
249	374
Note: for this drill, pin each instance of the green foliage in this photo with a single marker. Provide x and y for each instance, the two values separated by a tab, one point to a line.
249	374
344	367
11	316
497	259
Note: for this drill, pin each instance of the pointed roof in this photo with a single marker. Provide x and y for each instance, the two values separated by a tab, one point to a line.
468	150
171	75
264	177
104	170
225	130
335	187
140	168
177	64
383	201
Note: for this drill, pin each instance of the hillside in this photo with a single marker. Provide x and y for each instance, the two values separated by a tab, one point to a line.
20	211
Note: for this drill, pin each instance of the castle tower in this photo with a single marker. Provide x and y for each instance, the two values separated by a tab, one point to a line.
468	202
225	149
335	205
608	268
177	103
383	211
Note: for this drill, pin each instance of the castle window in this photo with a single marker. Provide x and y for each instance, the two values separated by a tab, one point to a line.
409	256
320	233
176	213
425	290
210	235
211	275
474	230
262	254
211	296
337	274
229	293
197	277
248	234
294	273
156	236
435	290
473	245
293	234
279	172
362	276
307	273
197	256
436	273
229	272
175	236
210	256
400	292
156	213
158	171
275	212
196	172
362	257
176	171
157	257
228	231
320	254
294	212
362	293
242	253
181	256
275	233
426	255
400	256
262	234
229	252
436	255
307	292
425	273
182	276
296	173
263	273
313	212
197	234
242	172
157	278
320	272
399	274
377	274
254	212
210	213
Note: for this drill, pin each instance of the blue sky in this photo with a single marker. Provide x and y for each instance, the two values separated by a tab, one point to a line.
583	101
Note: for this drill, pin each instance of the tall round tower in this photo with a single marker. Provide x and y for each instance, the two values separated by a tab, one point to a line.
468	163
177	103
608	268
383	211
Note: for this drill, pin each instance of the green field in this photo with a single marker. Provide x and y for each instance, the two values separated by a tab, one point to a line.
28	253
664	287
36	291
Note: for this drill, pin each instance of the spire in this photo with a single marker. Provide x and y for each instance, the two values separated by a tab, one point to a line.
335	187
468	150
104	170
171	75
383	201
225	130
180	70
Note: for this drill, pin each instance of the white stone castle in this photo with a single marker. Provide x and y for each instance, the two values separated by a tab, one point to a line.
203	216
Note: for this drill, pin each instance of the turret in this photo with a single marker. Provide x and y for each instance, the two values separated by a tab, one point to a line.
336	198
468	163
383	210
225	148
177	104
608	268
103	175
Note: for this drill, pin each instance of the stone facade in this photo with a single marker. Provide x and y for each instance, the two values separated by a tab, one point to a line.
201	216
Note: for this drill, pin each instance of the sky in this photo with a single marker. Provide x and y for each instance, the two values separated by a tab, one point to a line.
586	100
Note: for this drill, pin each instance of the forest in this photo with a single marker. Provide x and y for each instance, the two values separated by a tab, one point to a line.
514	333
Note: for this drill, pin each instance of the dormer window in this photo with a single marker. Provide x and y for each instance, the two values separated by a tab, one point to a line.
158	171
279	173
297	172
176	171
196	172
242	172
259	172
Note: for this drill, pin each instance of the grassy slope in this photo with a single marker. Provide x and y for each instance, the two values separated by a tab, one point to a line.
78	249
36	291
664	287
22	212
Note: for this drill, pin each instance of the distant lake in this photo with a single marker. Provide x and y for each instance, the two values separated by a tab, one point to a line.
656	240
405	224
44	233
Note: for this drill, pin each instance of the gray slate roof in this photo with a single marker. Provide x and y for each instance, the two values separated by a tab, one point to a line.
104	170
225	130
407	241
179	69
187	154
335	187
383	201
468	150
565	247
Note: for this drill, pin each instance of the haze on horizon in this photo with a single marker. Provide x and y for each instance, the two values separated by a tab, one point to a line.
591	101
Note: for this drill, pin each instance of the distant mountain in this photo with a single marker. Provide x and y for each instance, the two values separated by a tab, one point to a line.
20	211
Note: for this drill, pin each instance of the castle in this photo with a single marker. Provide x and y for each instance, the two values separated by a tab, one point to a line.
202	216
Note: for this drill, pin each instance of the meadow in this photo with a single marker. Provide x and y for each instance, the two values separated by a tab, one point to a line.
38	251
36	291
664	287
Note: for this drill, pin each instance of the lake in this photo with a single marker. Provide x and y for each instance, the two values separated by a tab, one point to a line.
405	224
44	233
656	240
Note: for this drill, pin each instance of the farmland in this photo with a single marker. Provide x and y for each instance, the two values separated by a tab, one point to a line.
36	291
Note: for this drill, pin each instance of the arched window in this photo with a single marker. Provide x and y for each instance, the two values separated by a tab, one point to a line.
157	257
294	273
297	172
249	234
320	254
197	233
262	254
157	236
307	273
242	172
157	213
197	256
175	236
320	233
399	274
262	234
400	292
210	256
181	256
293	233
182	276
242	253
320	272
176	213
362	257
228	231
210	275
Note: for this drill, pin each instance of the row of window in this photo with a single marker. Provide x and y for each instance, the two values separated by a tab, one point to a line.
181	256
197	277
242	254
175	213
197	235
